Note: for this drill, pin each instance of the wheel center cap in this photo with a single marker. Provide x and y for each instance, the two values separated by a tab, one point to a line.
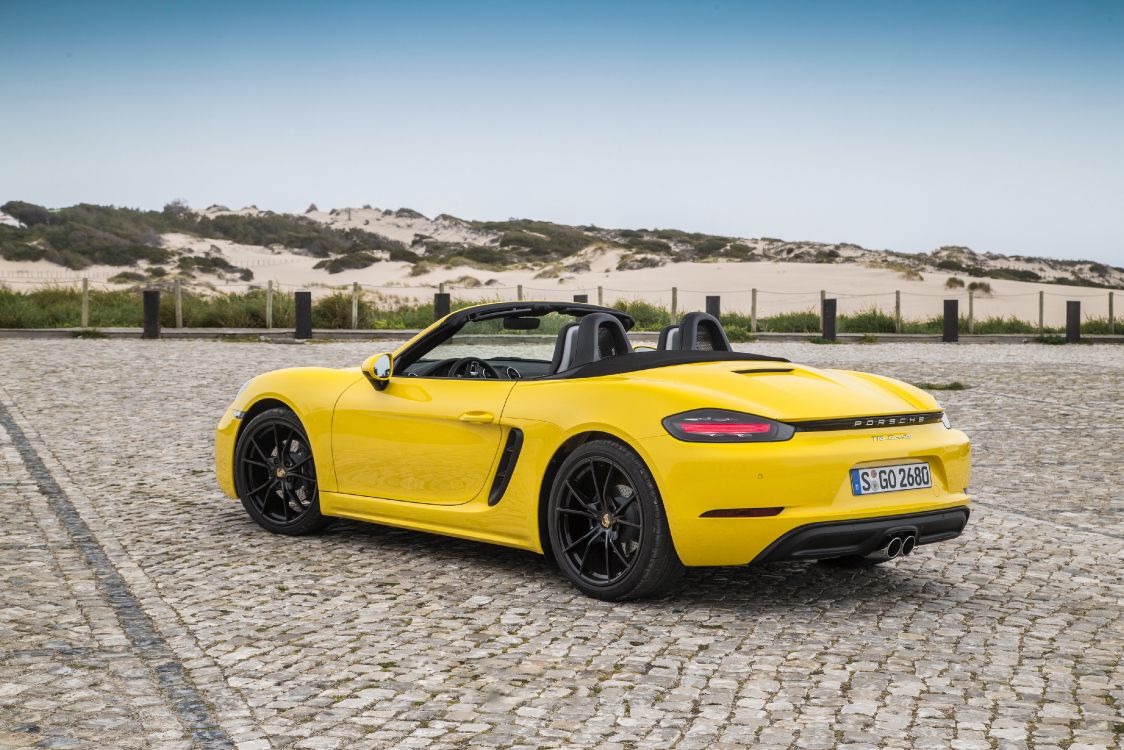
606	521
280	473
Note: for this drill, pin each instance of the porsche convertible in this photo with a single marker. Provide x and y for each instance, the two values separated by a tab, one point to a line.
624	465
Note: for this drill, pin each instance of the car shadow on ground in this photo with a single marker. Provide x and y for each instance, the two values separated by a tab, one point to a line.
757	590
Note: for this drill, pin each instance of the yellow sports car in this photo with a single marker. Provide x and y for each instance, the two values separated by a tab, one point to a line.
625	466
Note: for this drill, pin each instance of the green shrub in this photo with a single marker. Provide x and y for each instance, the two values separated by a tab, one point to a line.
347	262
738	251
954	282
1100	326
650	246
648	317
792	322
996	324
539	240
871	320
980	286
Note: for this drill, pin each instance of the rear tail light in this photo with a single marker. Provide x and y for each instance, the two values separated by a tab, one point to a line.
723	426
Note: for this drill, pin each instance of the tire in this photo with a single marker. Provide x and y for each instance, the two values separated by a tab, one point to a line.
607	526
275	474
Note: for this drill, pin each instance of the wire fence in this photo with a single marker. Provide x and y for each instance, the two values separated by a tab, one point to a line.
1044	307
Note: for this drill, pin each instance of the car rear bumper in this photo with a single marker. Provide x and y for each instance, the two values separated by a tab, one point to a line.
826	539
796	484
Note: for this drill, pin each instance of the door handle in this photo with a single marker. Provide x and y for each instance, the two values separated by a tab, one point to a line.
478	417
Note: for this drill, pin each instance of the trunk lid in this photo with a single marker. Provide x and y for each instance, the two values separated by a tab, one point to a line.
786	391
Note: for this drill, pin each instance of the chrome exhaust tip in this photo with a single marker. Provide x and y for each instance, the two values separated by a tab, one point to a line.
894	548
908	544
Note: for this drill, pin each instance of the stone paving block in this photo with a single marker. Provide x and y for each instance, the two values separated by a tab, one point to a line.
369	637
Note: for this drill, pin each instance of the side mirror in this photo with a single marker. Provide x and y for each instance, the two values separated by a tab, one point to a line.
378	369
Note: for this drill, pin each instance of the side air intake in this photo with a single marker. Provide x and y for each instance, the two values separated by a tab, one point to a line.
507	465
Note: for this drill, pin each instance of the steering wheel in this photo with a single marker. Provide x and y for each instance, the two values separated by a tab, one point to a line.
472	367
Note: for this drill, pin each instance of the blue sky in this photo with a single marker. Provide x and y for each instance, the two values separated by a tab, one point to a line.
998	125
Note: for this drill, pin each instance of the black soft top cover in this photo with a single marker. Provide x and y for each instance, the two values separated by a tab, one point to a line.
646	360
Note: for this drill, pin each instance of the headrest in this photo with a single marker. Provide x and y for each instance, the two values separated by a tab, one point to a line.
702	332
600	335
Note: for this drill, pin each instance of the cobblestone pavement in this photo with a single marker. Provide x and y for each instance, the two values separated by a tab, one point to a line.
139	608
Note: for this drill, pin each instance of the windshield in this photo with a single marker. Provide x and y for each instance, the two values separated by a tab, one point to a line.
513	352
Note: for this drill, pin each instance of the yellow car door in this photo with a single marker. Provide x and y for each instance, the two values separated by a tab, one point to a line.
422	440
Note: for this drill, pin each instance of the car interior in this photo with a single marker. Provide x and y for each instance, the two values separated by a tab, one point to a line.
580	341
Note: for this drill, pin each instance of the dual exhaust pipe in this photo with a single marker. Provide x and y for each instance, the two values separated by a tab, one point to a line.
899	545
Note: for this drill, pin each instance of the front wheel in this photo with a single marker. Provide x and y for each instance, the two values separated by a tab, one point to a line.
275	474
607	526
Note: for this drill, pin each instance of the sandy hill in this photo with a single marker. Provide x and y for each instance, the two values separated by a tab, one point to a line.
406	253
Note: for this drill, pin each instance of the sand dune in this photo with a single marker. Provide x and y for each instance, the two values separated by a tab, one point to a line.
859	278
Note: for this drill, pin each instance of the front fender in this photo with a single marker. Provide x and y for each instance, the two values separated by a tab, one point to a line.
309	392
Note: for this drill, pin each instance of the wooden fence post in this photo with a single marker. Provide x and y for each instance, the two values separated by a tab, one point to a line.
1111	317
303	305
1041	312
898	311
971	311
600	296
1072	321
354	305
674	302
823	296
951	321
151	314
85	302
519	292
714	305
179	304
753	311
269	304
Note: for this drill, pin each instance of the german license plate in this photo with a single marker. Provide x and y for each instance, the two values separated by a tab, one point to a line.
876	479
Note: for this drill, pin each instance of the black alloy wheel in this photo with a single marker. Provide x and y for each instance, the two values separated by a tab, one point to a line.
608	531
600	521
275	474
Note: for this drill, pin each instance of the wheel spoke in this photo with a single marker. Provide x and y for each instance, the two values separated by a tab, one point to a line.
591	507
302	462
628	501
265	498
585	513
584	537
624	522
302	477
598	499
608	568
605	498
252	462
620	554
585	553
254	491
264	456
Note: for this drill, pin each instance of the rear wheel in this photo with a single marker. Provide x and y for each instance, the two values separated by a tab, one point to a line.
607	526
275	474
